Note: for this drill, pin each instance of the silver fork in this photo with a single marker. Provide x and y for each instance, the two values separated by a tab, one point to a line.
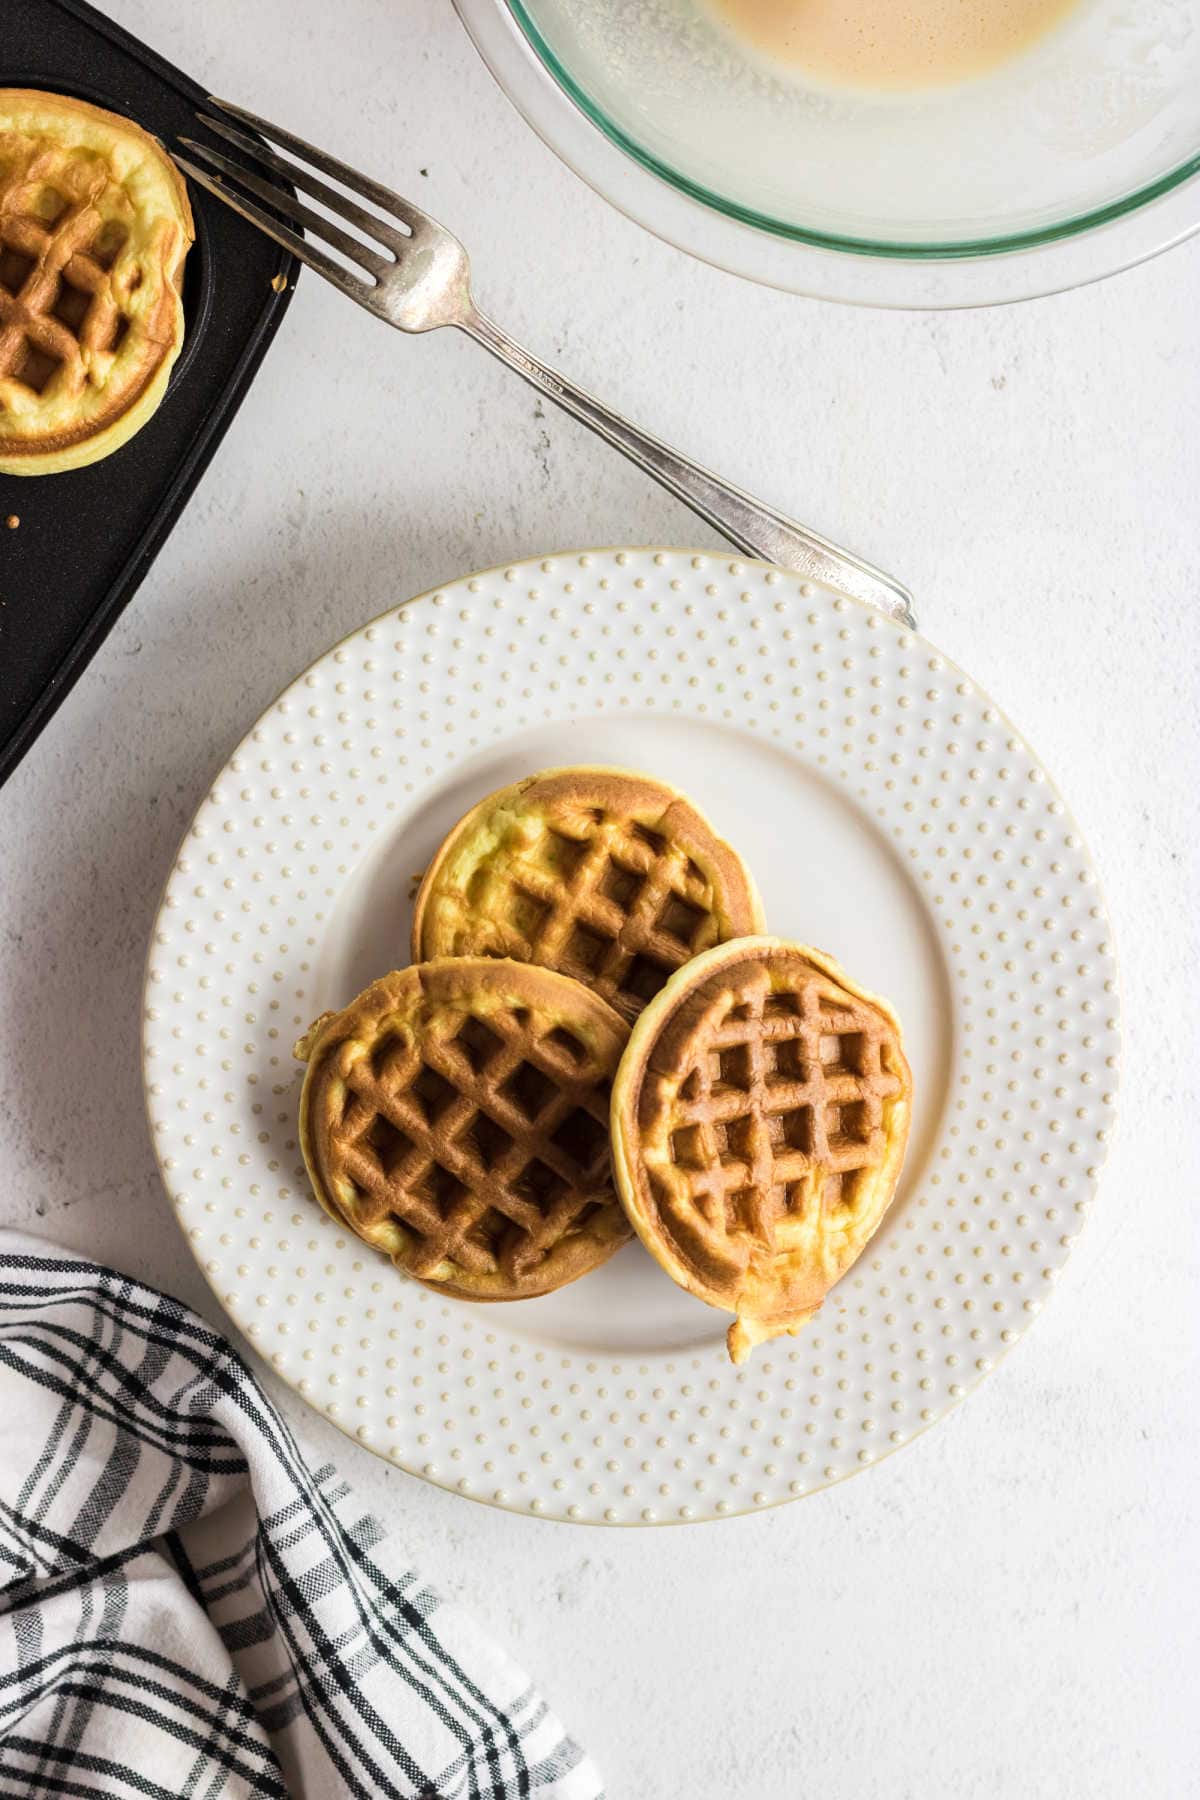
416	276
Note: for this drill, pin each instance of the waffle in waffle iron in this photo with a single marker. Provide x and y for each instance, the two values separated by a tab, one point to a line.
94	228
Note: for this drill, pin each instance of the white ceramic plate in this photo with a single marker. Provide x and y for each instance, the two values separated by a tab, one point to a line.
890	814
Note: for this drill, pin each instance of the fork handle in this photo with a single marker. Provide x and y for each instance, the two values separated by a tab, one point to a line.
745	522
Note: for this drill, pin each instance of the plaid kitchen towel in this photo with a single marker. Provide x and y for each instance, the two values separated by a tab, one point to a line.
189	1613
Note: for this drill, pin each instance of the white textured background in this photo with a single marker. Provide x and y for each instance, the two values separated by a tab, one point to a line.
1009	1607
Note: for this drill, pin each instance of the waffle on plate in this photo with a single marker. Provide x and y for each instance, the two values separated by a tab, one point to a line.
95	225
455	1115
609	876
759	1121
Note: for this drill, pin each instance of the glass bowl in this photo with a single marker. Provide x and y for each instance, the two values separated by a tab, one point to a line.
1076	158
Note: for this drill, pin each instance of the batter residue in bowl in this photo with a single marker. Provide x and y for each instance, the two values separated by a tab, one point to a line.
892	43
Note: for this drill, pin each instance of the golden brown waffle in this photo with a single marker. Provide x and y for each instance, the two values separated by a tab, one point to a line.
611	877
456	1116
760	1116
94	228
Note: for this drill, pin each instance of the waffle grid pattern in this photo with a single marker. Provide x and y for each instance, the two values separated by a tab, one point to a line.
488	1142
620	907
59	311
781	1086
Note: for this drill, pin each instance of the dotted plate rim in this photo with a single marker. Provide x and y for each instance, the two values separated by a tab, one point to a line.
662	1435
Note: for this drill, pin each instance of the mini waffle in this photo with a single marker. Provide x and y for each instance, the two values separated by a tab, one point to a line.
611	877
94	228
455	1115
760	1116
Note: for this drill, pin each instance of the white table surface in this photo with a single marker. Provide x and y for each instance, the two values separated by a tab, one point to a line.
1009	1606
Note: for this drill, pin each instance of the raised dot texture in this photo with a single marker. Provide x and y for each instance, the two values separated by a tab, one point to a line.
330	775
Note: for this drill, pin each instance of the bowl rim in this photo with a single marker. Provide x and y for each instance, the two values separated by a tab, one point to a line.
812	271
939	251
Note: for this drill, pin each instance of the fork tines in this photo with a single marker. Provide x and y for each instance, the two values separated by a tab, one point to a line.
263	173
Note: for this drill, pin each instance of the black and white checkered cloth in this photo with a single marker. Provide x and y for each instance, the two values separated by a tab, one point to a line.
188	1613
